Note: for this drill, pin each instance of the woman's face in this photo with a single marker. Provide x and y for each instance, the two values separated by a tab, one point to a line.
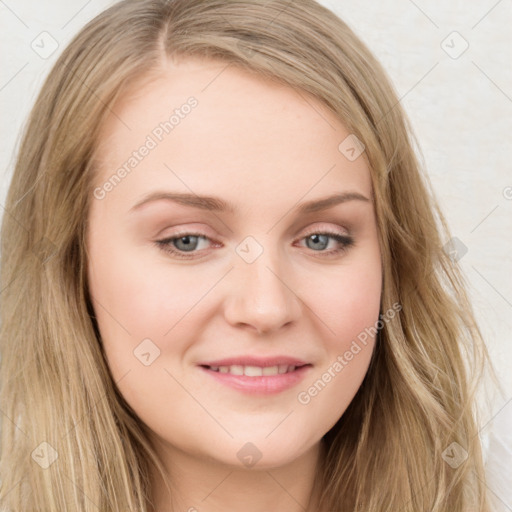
216	263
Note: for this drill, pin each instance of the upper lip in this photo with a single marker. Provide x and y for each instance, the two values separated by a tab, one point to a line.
255	361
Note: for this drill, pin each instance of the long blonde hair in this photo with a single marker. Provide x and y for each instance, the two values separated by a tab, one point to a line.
69	441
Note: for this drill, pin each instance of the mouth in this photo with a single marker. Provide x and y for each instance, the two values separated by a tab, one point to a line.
255	371
257	380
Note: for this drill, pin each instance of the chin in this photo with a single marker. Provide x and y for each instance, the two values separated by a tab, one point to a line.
263	454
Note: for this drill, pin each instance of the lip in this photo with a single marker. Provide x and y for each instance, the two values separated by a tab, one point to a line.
262	385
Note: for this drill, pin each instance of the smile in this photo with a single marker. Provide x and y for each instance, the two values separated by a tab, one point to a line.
254	371
258	380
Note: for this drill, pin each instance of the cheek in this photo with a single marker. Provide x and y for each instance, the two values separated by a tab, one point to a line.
140	294
135	302
142	316
348	302
349	307
132	301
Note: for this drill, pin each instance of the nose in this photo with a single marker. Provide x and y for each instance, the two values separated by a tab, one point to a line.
261	297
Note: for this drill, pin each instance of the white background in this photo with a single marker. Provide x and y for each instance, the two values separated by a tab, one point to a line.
460	105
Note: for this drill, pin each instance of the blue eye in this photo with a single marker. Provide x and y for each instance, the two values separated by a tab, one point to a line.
181	245
184	245
322	239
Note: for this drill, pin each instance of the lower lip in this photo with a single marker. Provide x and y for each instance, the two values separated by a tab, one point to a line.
264	385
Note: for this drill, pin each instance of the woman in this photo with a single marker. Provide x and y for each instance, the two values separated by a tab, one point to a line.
173	338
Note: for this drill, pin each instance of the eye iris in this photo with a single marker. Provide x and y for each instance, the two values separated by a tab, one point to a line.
188	245
315	238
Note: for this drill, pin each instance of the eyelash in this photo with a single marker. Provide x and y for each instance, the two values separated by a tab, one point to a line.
165	244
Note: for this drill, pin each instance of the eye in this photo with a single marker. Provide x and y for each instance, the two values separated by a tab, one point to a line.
319	241
185	245
182	244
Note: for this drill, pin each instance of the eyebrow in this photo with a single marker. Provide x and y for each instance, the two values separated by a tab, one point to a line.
216	204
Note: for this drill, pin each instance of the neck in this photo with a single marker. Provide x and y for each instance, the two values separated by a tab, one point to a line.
202	485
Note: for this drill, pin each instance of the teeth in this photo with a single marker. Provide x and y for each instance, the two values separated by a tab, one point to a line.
236	369
254	371
283	368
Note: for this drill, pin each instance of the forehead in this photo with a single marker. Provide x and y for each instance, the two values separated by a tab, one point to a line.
244	131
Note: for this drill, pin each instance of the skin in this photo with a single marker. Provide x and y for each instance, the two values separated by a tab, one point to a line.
265	148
